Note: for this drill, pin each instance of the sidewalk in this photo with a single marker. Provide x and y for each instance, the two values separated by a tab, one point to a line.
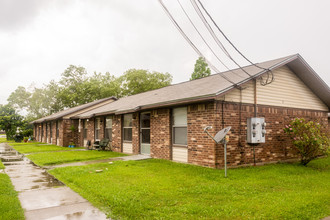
41	195
125	158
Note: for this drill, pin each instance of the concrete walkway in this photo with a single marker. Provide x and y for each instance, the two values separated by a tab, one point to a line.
41	195
125	158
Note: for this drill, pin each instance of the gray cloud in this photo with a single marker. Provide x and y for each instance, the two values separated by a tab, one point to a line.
40	38
17	13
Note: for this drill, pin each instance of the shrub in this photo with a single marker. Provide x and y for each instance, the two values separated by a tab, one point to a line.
308	138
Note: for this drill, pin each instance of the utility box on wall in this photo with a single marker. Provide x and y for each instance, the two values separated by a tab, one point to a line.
256	130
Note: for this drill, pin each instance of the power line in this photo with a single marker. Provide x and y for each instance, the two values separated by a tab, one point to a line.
208	26
192	44
204	39
223	34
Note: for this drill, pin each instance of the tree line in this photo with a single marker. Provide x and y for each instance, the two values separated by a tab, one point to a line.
76	87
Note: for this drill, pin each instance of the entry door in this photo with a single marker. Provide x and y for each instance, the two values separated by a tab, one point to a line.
145	133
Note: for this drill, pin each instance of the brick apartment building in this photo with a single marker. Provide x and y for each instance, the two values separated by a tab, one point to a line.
58	128
169	123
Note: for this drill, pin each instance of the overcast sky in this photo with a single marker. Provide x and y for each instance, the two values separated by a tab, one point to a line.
39	38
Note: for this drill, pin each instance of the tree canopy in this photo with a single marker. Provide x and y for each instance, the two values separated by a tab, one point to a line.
10	121
76	87
135	81
201	69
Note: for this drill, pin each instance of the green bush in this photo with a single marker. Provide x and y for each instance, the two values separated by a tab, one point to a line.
308	138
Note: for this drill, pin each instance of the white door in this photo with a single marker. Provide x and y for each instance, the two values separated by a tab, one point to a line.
145	133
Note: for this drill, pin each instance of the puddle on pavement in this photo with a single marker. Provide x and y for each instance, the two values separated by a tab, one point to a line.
84	215
11	159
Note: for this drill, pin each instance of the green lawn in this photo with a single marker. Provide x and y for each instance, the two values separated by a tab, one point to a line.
1	165
160	189
35	147
52	158
10	207
3	140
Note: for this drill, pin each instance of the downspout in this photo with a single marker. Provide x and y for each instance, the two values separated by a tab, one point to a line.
255	115
255	98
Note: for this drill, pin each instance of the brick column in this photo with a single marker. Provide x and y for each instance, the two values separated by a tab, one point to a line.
160	134
136	133
116	133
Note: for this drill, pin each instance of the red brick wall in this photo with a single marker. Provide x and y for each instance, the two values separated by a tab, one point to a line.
90	130
116	133
277	147
101	132
136	133
160	134
201	148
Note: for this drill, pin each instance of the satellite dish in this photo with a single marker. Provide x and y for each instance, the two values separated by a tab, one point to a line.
218	138
221	134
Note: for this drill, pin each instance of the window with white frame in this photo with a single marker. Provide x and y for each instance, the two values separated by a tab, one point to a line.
127	127
97	128
108	128
179	119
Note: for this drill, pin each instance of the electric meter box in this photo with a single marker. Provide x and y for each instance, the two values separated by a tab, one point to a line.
256	130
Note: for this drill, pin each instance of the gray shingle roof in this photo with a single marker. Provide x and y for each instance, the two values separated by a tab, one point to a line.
200	89
68	111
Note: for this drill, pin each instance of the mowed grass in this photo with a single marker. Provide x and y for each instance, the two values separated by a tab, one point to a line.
1	165
36	147
53	158
10	207
159	189
2	140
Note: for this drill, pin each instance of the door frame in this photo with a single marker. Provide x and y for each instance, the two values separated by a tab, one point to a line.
140	128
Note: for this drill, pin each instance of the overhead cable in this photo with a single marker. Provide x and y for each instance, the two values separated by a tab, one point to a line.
208	26
192	44
223	34
192	23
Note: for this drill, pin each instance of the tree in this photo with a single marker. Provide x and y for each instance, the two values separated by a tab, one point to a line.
9	120
138	80
308	138
75	88
19	99
72	90
103	85
201	69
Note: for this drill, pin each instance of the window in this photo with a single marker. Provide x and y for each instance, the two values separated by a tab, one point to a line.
127	127
180	126
145	128
50	130
46	131
85	129
57	129
97	128
108	128
42	131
